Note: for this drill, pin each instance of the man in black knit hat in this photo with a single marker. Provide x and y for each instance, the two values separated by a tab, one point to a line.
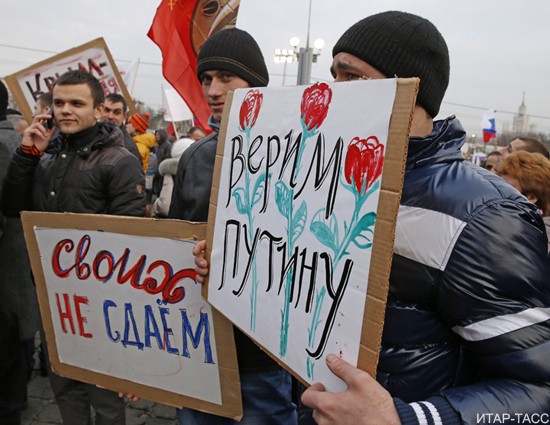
228	60
466	336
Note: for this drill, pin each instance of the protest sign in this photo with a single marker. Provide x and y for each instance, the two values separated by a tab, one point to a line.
93	57
121	309
302	218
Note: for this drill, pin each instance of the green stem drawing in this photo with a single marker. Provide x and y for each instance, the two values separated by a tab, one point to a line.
315	322
295	224
245	201
286	308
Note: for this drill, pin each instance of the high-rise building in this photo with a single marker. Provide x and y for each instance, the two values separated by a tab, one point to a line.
520	124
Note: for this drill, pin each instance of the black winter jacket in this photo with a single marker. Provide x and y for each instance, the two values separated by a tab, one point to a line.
190	201
467	328
88	172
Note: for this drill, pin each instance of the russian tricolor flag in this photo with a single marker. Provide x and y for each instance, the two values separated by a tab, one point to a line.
488	126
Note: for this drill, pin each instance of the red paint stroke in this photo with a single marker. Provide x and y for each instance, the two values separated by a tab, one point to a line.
364	162
139	275
250	109
315	103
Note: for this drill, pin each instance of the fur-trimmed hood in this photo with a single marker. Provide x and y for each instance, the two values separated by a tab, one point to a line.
169	166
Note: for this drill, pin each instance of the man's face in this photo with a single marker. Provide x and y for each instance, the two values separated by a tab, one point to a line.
113	112
346	67
215	85
492	162
197	135
515	145
74	109
39	108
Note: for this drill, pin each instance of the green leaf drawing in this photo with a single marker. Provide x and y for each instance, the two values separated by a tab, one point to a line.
282	198
240	200
365	224
365	245
299	221
323	234
259	189
325	231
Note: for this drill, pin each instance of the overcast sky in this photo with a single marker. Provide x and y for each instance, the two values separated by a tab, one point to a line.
499	48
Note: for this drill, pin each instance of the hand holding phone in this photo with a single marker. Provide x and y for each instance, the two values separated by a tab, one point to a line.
50	123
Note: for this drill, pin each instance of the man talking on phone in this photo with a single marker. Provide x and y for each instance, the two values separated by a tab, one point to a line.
86	169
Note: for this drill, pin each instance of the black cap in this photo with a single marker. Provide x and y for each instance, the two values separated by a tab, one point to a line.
236	51
3	101
400	44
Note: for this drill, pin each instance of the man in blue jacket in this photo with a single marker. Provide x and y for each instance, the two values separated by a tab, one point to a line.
467	330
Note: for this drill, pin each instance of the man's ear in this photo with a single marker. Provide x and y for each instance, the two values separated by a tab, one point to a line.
98	110
532	198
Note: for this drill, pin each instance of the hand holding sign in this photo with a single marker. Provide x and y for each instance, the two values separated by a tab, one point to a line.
201	265
364	402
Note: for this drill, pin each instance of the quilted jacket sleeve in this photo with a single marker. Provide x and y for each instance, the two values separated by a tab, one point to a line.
495	294
126	189
193	181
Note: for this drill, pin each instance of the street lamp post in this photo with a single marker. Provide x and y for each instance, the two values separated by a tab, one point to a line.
304	55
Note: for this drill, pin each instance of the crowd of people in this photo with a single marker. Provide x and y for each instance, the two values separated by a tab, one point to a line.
467	322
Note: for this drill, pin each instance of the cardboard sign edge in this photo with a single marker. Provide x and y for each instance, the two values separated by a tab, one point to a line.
231	406
19	96
390	196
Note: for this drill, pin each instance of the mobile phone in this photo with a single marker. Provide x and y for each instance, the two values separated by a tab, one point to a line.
50	123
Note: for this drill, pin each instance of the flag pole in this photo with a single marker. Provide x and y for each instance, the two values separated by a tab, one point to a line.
169	111
135	76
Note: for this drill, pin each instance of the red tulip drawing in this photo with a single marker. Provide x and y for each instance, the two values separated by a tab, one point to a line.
250	109
364	162
314	107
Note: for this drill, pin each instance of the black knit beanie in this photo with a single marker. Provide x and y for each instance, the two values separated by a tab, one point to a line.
234	50
403	45
3	101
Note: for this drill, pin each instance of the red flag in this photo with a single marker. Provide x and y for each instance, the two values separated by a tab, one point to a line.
171	130
179	29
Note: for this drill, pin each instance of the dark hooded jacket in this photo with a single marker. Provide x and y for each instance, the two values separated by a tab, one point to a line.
17	292
164	148
88	172
164	151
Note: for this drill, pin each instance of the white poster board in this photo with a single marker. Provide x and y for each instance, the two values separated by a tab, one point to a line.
300	174
93	57
122	309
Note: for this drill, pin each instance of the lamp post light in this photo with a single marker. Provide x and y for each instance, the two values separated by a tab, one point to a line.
304	55
285	56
